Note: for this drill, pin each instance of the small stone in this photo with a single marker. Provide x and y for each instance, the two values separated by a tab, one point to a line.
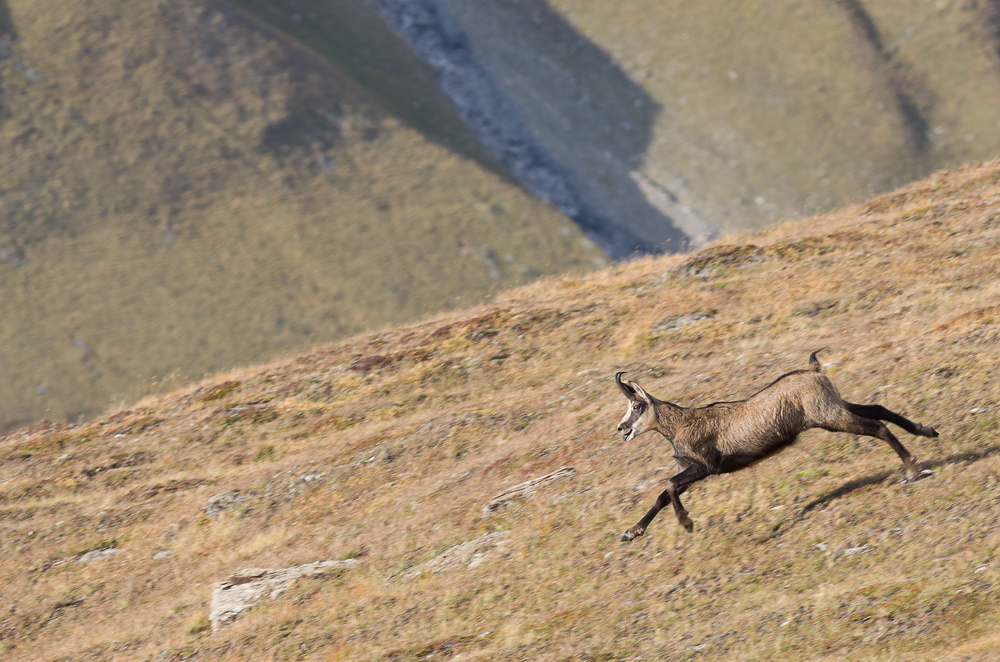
669	324
161	554
221	502
525	490
98	554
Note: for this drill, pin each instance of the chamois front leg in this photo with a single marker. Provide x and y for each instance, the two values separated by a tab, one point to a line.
675	487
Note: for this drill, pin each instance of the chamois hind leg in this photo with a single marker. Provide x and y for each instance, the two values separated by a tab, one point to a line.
854	424
880	413
675	486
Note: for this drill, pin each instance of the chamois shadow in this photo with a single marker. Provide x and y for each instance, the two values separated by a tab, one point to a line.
874	479
960	458
852	485
844	490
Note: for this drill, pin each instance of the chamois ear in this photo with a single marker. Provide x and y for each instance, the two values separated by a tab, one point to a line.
642	395
626	389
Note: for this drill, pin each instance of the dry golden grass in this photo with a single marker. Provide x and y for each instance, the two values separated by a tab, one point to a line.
386	446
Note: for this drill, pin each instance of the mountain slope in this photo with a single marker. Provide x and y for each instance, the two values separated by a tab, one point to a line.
386	447
183	190
730	115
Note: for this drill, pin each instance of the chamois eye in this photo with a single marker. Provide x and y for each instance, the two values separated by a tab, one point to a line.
637	406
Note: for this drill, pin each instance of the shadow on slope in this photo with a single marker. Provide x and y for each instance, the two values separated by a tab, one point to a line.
6	22
351	35
874	479
556	109
181	192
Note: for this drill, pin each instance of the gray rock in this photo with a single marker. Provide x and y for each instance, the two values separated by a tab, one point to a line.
466	555
669	324
525	490
98	554
247	587
221	502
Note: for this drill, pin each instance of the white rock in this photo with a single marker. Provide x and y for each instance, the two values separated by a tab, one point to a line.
244	589
525	490
98	554
466	555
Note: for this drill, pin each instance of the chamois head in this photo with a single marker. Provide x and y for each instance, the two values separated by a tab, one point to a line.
640	414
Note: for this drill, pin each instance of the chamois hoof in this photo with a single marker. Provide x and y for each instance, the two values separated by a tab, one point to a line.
632	534
927	431
687	524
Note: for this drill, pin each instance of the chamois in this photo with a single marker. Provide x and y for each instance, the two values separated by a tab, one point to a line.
727	436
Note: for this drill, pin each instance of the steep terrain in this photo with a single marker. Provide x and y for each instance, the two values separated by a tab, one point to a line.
185	187
183	190
694	115
399	450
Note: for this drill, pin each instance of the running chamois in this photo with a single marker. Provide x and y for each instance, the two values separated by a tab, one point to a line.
727	436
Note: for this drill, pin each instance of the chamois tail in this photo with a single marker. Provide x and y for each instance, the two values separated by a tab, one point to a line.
814	362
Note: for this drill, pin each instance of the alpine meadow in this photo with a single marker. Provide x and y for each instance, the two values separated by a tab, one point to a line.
455	488
319	318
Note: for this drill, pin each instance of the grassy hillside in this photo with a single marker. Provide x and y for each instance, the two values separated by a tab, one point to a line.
749	113
183	190
385	448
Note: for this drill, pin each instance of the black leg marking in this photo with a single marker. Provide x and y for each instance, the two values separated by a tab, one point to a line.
675	487
880	413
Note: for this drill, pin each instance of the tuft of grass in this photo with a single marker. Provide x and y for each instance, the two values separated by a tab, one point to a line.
199	624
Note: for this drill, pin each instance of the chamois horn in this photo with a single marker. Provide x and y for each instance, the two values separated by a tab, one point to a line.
625	388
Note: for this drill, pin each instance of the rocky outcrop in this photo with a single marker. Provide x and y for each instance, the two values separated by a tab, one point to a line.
466	555
98	554
246	588
525	490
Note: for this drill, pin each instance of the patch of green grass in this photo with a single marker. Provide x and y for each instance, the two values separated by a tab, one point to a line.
265	453
199	624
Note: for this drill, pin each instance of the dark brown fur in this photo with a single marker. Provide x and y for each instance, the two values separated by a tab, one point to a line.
727	436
